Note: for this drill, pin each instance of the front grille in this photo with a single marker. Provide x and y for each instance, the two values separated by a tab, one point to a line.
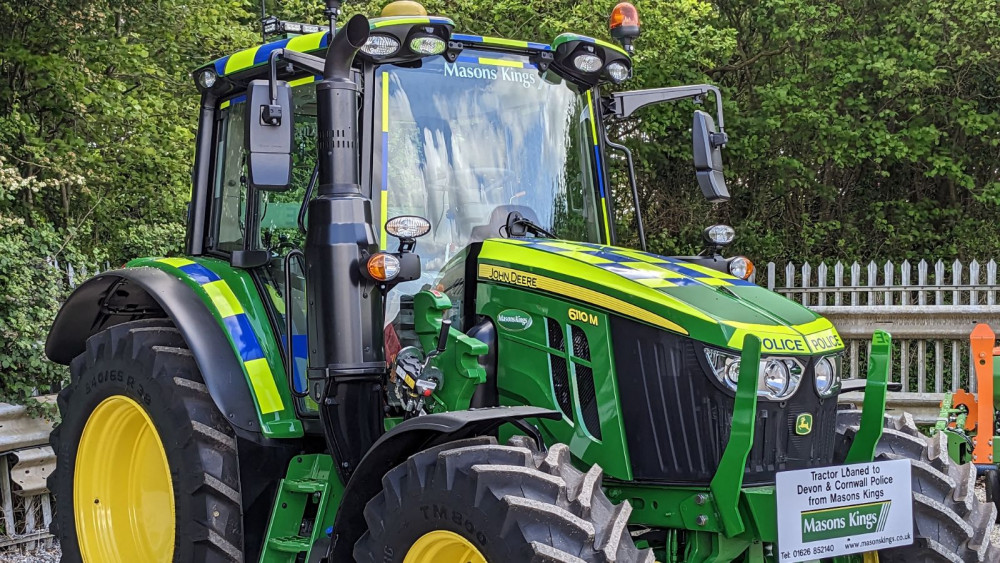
677	416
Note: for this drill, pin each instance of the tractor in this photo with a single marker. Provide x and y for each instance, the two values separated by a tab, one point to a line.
402	331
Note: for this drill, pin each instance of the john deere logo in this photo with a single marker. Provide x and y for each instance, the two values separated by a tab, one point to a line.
804	424
514	320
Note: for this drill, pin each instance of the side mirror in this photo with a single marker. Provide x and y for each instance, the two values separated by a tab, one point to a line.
708	157
270	129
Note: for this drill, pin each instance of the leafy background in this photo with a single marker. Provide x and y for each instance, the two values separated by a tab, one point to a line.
859	130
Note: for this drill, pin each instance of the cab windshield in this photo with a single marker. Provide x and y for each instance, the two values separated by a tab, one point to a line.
464	144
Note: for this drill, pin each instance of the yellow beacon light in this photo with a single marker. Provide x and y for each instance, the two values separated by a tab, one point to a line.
403	8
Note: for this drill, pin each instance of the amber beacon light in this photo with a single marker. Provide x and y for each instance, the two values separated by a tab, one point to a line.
624	24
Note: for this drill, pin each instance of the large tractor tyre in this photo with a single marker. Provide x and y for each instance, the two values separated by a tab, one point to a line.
474	501
949	523
146	465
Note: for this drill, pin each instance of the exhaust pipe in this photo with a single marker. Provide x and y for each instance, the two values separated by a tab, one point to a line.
344	314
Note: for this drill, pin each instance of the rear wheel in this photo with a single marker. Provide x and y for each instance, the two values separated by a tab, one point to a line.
474	501
949	522
146	465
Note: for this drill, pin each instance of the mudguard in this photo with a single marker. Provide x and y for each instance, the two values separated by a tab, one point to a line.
130	294
396	445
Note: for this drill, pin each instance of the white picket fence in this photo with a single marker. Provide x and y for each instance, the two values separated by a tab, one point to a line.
929	309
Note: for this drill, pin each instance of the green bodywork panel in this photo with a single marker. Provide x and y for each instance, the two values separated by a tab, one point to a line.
460	360
231	296
528	380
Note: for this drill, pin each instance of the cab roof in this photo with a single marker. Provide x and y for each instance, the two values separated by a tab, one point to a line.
258	55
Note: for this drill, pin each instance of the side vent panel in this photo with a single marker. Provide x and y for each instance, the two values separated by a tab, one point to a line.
559	369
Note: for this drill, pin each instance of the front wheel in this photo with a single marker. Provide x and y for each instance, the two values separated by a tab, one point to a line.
475	501
146	466
949	523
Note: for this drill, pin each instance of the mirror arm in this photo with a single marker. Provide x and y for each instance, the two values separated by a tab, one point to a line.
297	59
635	190
625	104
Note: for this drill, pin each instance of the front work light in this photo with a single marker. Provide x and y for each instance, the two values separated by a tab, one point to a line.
380	46
618	72
407	226
587	62
427	45
719	235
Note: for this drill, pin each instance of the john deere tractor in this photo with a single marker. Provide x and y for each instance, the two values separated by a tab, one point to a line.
402	332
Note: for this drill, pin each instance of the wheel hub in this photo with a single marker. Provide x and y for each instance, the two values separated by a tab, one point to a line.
443	546
123	498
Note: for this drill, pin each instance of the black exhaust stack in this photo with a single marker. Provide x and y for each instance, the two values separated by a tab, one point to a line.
346	358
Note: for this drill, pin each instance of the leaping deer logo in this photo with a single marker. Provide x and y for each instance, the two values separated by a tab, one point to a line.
803	424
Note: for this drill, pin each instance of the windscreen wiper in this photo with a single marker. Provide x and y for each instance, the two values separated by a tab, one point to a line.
518	225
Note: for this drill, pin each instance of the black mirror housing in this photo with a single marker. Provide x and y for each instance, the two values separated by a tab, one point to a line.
708	158
270	129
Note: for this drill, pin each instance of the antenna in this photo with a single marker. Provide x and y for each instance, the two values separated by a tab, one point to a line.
332	12
263	19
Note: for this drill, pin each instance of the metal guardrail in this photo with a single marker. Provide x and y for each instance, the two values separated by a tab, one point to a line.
26	461
925	407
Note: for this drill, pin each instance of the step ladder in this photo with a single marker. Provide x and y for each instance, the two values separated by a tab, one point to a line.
299	517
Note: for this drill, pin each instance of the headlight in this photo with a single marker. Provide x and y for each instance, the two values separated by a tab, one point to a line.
827	377
725	366
779	377
618	72
427	45
587	62
379	45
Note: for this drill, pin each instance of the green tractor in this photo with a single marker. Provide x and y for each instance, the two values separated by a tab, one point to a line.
303	386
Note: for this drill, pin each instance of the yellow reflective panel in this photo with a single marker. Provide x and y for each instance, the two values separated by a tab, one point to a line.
123	498
443	546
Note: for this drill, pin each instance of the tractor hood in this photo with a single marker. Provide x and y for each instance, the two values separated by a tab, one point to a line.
705	304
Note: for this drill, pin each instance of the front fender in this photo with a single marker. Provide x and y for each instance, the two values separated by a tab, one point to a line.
129	294
398	444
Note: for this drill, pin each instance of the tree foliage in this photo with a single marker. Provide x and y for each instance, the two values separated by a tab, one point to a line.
858	130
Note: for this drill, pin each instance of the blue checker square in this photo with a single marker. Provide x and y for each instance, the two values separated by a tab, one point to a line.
200	274
243	336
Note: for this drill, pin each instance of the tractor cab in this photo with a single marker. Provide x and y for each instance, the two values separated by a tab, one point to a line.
464	131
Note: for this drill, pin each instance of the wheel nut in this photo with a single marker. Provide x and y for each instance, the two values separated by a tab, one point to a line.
700	499
701	520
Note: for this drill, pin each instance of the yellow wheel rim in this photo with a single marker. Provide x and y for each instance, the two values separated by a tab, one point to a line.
123	499
442	546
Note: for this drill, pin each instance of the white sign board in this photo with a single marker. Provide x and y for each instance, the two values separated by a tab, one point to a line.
830	511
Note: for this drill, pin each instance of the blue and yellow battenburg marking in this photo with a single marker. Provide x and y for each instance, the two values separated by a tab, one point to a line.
240	331
651	270
384	195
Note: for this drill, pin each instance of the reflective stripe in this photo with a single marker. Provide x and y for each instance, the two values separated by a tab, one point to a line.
223	299
384	193
263	383
500	62
241	332
241	60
